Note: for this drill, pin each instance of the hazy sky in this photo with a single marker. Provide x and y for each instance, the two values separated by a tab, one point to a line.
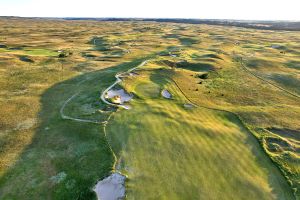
212	9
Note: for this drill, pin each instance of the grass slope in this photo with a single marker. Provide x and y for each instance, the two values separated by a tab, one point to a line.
170	152
63	159
43	156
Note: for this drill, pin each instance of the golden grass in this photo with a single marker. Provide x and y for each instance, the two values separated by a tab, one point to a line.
169	151
36	144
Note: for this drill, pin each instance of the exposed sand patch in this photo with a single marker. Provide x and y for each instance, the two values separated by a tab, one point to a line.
133	74
111	188
166	94
118	75
188	105
122	96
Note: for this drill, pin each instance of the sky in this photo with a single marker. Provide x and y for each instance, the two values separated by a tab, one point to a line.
199	9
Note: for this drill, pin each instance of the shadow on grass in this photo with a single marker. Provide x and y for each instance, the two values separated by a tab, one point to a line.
196	67
65	158
188	41
293	65
129	128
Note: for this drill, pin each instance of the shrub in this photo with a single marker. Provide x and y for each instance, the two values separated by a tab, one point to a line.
62	55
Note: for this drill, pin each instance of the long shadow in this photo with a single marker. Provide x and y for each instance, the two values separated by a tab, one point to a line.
275	179
65	158
196	67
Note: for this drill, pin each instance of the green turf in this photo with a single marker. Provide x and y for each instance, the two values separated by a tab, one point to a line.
65	158
58	147
162	145
171	152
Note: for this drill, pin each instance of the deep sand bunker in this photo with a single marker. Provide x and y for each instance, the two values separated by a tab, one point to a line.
124	96
166	94
111	188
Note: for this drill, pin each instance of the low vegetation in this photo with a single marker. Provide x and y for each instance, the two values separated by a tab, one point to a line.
237	138
169	151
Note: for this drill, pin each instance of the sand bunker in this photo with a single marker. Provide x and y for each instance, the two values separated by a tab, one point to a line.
111	188
166	94
188	105
119	96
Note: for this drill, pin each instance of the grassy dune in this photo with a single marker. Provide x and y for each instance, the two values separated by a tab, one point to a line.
176	152
169	151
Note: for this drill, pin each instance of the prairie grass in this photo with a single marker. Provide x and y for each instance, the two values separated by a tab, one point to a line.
174	151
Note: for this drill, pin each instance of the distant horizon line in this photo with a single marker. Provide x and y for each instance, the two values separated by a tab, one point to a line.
174	18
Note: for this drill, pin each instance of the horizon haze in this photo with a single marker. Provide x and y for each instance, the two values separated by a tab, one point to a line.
213	9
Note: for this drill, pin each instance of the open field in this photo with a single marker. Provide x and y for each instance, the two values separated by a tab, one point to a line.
239	139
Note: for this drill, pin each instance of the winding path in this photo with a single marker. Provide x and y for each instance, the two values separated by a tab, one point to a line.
116	82
118	75
72	118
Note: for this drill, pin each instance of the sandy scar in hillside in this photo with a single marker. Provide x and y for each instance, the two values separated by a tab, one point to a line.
111	188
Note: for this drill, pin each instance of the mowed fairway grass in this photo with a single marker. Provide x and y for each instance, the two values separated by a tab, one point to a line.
172	152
